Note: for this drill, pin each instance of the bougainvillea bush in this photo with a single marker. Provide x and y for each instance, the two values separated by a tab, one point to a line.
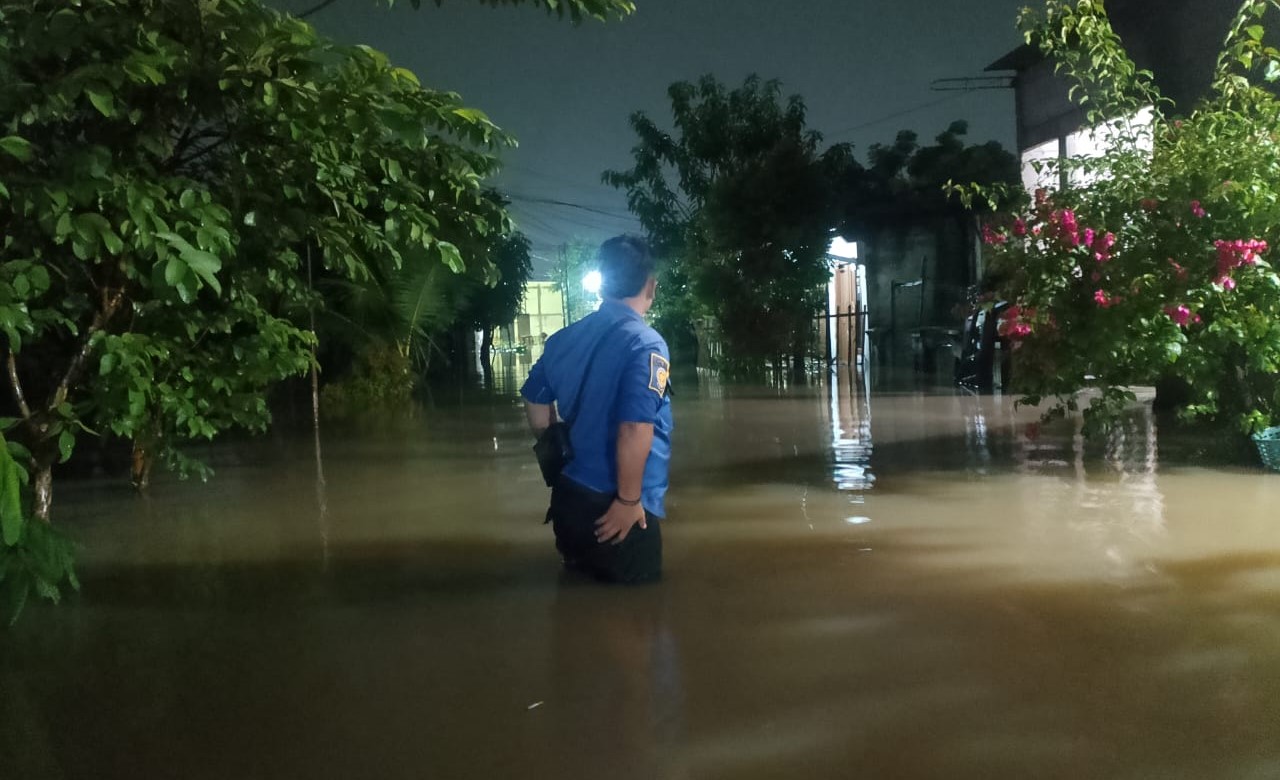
1153	260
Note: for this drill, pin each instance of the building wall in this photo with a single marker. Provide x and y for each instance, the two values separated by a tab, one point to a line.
943	247
541	313
1177	40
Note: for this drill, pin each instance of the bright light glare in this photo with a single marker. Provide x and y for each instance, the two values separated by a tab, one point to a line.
857	520
843	249
591	282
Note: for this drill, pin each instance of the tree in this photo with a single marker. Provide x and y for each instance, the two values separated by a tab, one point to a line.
489	307
738	200
904	181
574	261
577	10
168	173
163	168
1152	260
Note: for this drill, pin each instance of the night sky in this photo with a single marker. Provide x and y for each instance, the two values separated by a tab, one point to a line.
864	68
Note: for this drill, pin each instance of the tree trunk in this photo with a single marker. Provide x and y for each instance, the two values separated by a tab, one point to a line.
486	357
43	493
315	418
797	358
486	347
140	471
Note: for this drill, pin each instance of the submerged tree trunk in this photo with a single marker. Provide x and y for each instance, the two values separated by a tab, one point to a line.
486	348
486	357
140	470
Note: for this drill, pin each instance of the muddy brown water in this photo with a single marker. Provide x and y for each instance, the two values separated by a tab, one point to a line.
891	586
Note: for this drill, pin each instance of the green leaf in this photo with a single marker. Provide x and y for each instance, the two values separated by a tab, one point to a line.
63	227
16	146
103	101
112	242
407	75
83	250
107	364
66	443
204	265
11	519
1255	31
451	256
187	199
251	218
472	115
174	270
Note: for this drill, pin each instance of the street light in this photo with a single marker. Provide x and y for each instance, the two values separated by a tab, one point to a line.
845	250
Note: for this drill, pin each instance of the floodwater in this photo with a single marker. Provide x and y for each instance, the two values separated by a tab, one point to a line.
906	585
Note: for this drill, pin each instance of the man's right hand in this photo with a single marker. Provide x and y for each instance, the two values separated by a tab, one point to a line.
618	521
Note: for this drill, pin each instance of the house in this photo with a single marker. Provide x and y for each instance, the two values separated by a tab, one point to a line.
1177	40
542	312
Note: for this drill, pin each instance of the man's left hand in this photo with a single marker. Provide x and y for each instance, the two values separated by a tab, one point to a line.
618	521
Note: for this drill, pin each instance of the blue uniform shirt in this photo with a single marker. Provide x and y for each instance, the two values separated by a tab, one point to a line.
628	383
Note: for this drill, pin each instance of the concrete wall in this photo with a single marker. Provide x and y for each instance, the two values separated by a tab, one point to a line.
944	245
1177	40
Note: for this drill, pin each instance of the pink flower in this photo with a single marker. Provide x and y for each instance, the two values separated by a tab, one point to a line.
1013	322
1035	230
1019	227
1233	254
1101	298
1197	209
1087	237
991	237
1063	225
1181	315
1101	246
1179	270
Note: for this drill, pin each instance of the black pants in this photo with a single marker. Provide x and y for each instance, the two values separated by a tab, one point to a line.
573	515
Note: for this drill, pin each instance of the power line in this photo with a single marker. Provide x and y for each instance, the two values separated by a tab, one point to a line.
972	84
580	219
896	114
556	178
567	204
316	9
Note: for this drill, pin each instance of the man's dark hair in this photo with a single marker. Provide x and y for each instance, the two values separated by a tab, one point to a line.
625	266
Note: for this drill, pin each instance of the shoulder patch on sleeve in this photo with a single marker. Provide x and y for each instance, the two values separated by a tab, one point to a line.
659	373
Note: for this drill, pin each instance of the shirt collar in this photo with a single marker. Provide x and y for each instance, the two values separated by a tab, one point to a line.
617	309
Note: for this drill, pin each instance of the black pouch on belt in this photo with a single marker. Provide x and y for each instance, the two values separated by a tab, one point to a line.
553	451
553	448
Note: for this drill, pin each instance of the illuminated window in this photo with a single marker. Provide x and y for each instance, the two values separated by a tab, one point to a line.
1047	177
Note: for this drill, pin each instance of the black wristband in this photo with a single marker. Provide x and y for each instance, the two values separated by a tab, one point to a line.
625	502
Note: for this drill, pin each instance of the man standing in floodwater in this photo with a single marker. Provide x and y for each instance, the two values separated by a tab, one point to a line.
608	374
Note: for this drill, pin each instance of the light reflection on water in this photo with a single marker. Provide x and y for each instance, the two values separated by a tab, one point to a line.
916	585
850	423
